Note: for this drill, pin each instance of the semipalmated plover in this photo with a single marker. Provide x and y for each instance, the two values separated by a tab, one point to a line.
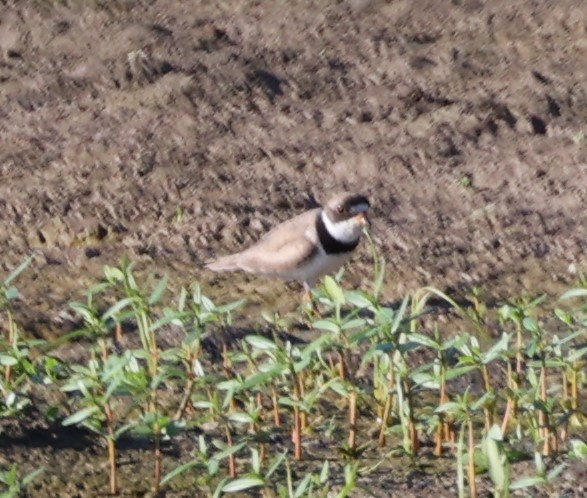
306	247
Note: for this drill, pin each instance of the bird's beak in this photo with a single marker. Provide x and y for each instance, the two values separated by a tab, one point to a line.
363	220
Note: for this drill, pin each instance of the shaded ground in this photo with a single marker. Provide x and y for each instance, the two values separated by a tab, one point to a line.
178	130
77	468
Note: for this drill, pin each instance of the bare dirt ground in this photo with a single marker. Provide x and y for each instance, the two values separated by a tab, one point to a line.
178	130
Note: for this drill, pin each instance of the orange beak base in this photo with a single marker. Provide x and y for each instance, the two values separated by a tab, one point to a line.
363	220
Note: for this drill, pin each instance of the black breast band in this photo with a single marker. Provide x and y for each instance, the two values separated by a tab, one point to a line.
329	243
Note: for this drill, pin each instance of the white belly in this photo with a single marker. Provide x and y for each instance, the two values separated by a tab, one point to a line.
319	265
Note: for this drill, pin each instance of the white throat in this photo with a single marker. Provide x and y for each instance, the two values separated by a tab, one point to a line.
347	231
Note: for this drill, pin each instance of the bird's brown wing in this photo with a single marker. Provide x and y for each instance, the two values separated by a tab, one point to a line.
284	247
280	250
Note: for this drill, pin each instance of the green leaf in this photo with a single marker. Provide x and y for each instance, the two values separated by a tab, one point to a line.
261	378
213	467
539	464
578	449
384	316
255	461
179	470
278	461
531	325
358	299
303	363
113	274
406	347
242	483
495	433
564	316
112	389
339	388
363	335
453	373
240	418
354	323
121	430
555	472
228	451
218	491
316	344
426	380
181	299
574	293
116	308
327	325
450	407
157	294
303	486
334	291
81	415
386	347
325	472
399	316
161	322
225	309
379	277
501	345
17	271
203	404
498	465
82	309
32	475
260	342
9	477
288	402
526	482
424	340
11	293
7	360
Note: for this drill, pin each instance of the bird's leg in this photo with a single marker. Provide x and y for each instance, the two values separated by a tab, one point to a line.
307	302
307	296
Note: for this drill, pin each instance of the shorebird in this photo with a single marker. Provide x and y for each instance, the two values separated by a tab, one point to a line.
306	247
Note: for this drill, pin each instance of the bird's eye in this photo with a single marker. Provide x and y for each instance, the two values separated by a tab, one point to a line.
340	208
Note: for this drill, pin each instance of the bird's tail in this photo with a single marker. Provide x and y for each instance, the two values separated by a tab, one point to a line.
225	263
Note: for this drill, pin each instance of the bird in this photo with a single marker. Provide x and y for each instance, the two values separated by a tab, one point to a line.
306	247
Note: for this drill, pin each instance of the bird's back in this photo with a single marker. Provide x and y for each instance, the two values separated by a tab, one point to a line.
280	249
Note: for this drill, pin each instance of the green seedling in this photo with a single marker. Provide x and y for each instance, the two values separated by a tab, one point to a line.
100	385
543	476
464	410
17	362
13	485
370	373
499	467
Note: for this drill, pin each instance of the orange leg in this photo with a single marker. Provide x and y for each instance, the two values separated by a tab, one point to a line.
307	297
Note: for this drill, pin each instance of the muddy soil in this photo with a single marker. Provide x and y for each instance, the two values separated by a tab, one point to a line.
173	131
